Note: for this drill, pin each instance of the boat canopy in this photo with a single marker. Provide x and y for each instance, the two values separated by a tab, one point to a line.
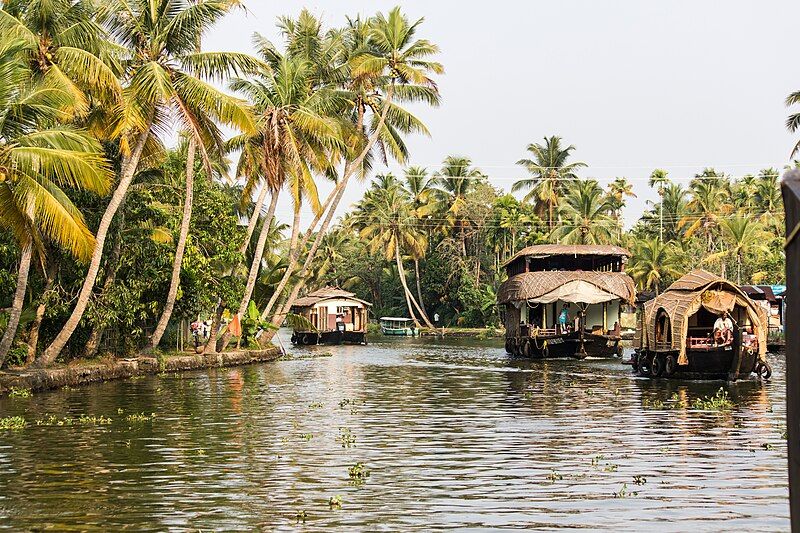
394	319
684	298
567	286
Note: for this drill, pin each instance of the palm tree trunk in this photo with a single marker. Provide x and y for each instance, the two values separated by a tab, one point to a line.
129	166
409	295
419	287
19	300
350	169
33	336
175	280
211	344
255	266
251	225
293	261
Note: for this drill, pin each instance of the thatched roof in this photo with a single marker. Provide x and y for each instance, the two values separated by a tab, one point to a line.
547	250
684	297
531	285
326	293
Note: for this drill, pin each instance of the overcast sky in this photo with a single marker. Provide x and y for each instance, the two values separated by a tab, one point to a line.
634	85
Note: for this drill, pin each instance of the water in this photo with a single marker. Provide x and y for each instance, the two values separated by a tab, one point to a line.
453	433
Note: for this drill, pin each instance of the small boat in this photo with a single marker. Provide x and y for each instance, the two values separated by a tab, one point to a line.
401	327
330	316
771	298
585	281
675	334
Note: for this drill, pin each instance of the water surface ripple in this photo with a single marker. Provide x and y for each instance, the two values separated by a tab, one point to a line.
455	435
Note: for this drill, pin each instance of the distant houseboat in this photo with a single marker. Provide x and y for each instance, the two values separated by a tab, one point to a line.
771	299
334	316
565	301
676	337
402	327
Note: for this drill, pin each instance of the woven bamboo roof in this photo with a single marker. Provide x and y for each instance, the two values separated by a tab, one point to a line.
326	293
683	298
530	285
547	250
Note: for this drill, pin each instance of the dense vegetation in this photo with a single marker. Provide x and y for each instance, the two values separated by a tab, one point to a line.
109	238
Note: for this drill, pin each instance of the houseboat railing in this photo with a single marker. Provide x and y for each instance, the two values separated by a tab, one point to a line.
791	203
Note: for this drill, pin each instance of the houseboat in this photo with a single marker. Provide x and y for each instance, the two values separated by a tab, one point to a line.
565	301
402	327
676	334
771	299
332	316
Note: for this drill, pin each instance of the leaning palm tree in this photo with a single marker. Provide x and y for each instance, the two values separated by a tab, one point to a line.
162	81
387	64
387	223
456	179
37	158
299	134
584	214
652	263
708	201
419	187
549	172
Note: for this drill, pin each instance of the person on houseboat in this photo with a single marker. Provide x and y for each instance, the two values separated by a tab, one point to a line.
723	329
563	319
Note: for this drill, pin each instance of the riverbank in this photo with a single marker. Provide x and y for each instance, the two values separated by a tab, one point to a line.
464	333
83	372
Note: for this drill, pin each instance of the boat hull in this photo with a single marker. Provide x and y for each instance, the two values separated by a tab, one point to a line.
398	332
565	345
310	338
715	363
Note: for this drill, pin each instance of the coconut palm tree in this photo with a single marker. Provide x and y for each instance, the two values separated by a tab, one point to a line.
618	190
456	179
767	195
660	180
549	170
743	237
388	224
37	159
419	187
584	214
708	202
162	81
299	134
652	263
387	64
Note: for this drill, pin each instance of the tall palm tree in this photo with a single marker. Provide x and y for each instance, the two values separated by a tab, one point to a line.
618	190
743	236
584	214
768	192
708	201
36	160
299	133
387	222
652	263
419	187
659	179
456	179
389	65
549	170
162	81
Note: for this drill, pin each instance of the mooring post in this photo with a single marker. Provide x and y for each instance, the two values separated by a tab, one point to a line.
791	204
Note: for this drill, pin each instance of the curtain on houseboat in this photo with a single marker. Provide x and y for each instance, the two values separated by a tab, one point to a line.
576	291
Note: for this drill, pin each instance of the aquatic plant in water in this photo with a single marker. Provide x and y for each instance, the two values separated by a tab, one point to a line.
358	472
624	492
718	402
19	393
346	437
140	417
335	502
639	480
554	476
13	423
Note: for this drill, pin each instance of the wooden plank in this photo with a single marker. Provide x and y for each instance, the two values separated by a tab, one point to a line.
791	201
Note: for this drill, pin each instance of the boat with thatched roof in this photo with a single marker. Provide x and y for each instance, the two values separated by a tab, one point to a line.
676	334
565	300
330	316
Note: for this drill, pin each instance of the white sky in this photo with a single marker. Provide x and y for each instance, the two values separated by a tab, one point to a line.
634	85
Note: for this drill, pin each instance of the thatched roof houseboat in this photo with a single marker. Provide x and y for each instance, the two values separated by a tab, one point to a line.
565	300
678	335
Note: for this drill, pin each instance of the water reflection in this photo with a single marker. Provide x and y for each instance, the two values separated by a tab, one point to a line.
454	433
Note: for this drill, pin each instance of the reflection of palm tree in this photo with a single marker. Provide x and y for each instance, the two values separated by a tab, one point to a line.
584	214
549	170
454	182
652	263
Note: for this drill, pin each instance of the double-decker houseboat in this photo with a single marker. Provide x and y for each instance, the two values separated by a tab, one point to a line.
332	316
565	300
